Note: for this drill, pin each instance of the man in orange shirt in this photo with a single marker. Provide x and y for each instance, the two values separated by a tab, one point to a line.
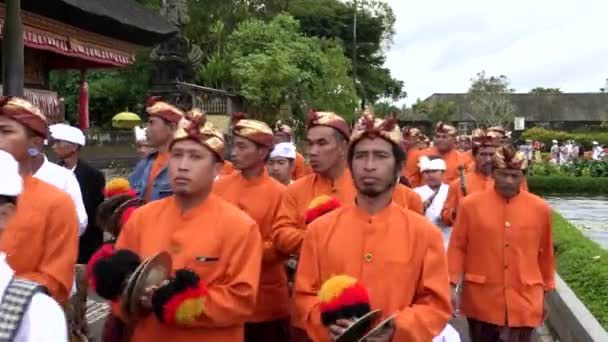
219	243
283	134
364	243
149	179
252	141
41	240
501	264
445	147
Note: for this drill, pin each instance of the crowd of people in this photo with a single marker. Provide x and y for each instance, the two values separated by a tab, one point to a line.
266	246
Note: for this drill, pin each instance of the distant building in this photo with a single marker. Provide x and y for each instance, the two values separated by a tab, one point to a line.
567	111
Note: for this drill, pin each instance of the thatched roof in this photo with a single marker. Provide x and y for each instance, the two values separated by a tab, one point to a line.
125	20
546	108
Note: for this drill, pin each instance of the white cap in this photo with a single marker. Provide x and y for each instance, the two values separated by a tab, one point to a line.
595	143
284	150
67	133
431	165
11	182
140	134
554	141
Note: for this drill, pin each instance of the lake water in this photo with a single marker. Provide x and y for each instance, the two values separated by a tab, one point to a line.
590	214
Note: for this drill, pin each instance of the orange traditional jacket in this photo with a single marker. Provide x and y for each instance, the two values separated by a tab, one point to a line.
504	248
452	160
260	199
475	182
41	240
290	226
227	169
214	228
396	254
300	168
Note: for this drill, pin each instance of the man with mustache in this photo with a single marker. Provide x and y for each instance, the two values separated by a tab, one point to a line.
252	141
392	254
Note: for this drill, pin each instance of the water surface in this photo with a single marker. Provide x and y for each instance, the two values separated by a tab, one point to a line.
590	214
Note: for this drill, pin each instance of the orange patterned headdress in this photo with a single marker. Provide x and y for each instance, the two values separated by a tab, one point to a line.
281	128
507	158
25	113
445	128
254	130
156	107
370	126
483	138
412	132
329	119
197	128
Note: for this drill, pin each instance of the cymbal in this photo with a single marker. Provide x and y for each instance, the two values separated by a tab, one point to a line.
152	272
384	324
359	327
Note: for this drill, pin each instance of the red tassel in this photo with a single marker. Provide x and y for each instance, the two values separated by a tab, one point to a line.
105	251
320	210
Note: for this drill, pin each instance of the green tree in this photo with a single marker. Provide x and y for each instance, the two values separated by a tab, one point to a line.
490	101
545	91
384	107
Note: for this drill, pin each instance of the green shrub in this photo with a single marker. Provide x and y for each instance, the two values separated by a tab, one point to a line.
583	265
579	168
560	184
546	136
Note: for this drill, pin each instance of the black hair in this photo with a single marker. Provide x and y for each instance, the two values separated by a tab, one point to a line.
434	157
397	153
8	200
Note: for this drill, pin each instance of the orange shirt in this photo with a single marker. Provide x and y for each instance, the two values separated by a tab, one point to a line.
396	254
41	240
246	194
290	226
159	163
214	228
452	160
300	169
227	169
504	248
475	182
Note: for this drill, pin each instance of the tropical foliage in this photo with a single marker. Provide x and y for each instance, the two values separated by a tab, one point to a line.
546	136
579	168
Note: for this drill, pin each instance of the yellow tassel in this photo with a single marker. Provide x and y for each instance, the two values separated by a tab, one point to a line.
333	286
189	310
118	185
317	201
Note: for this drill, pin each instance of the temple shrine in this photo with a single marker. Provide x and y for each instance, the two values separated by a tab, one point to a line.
80	35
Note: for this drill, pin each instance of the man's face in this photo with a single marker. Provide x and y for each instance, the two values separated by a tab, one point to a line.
325	149
14	138
281	138
444	142
64	149
245	154
484	159
192	168
280	169
159	132
374	167
432	178
508	181
464	145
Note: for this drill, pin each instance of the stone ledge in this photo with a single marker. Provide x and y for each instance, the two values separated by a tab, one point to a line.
569	319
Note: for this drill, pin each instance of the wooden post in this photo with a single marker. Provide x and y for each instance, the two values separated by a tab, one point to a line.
83	101
12	50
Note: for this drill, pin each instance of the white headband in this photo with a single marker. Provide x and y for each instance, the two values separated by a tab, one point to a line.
426	164
284	150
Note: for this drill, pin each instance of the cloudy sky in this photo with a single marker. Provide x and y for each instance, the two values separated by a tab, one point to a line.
441	44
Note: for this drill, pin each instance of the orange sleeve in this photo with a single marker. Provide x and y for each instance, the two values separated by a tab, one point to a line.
56	268
414	202
232	301
457	247
451	203
270	254
546	259
287	236
412	171
430	310
299	170
308	282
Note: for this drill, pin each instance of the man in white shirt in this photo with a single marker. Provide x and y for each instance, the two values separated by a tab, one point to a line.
281	162
61	178
434	192
43	319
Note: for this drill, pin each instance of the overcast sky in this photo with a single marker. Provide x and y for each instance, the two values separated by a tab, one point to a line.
440	45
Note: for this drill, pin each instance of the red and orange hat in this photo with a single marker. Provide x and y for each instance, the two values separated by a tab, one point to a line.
195	127
25	113
483	138
342	297
507	158
329	119
370	126
320	206
281	128
254	130
156	107
412	132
